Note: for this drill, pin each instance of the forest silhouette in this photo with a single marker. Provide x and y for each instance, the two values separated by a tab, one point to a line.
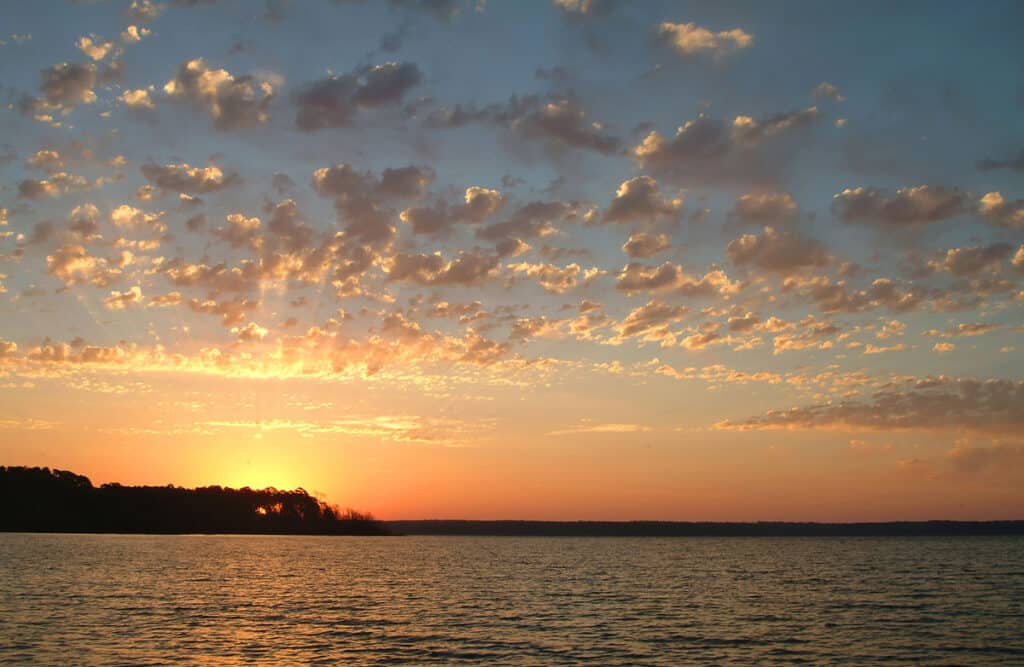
44	500
58	501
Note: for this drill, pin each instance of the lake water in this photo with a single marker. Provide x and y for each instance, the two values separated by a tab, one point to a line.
140	600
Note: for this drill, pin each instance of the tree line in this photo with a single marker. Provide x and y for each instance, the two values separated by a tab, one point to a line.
45	500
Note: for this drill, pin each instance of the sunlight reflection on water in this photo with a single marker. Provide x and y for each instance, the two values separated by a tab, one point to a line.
113	600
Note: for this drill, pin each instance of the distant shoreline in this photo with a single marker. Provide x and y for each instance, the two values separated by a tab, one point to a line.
616	529
514	528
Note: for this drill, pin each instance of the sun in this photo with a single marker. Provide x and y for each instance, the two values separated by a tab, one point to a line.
258	473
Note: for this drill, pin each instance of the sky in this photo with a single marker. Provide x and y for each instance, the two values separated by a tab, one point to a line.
579	259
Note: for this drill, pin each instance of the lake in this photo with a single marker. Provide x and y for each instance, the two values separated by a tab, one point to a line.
243	600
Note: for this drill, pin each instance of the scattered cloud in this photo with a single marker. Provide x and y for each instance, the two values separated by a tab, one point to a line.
232	101
690	39
931	404
335	101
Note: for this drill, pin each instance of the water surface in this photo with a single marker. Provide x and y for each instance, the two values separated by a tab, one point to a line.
148	600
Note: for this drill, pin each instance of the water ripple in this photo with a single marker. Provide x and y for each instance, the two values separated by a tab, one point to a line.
225	600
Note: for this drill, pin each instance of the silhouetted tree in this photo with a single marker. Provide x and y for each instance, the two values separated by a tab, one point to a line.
44	500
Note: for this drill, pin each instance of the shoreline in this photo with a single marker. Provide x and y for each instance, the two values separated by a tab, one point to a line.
619	529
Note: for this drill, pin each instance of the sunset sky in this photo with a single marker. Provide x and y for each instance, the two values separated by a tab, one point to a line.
579	259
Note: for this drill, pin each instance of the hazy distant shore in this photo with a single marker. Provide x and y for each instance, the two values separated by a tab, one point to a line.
703	529
512	528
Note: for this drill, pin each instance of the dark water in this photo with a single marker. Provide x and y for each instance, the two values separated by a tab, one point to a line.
134	600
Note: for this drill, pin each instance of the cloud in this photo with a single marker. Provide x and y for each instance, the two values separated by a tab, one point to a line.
240	232
743	323
639	199
344	182
52	186
1013	164
934	404
42	232
464	312
532	220
287	231
784	253
707	141
827	91
467	269
218	278
336	100
79	353
965	329
233	102
970	261
121	300
134	33
186	178
250	332
579	8
232	312
37	189
809	333
129	217
478	205
765	208
381	428
907	206
601	428
876	349
706	336
196	223
94	48
481	203
145	10
834	297
636	277
716	374
137	99
644	244
282	183
689	39
408	182
651	323
525	328
994	208
67	85
358	197
555	120
555	279
165	300
74	265
589	322
46	160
